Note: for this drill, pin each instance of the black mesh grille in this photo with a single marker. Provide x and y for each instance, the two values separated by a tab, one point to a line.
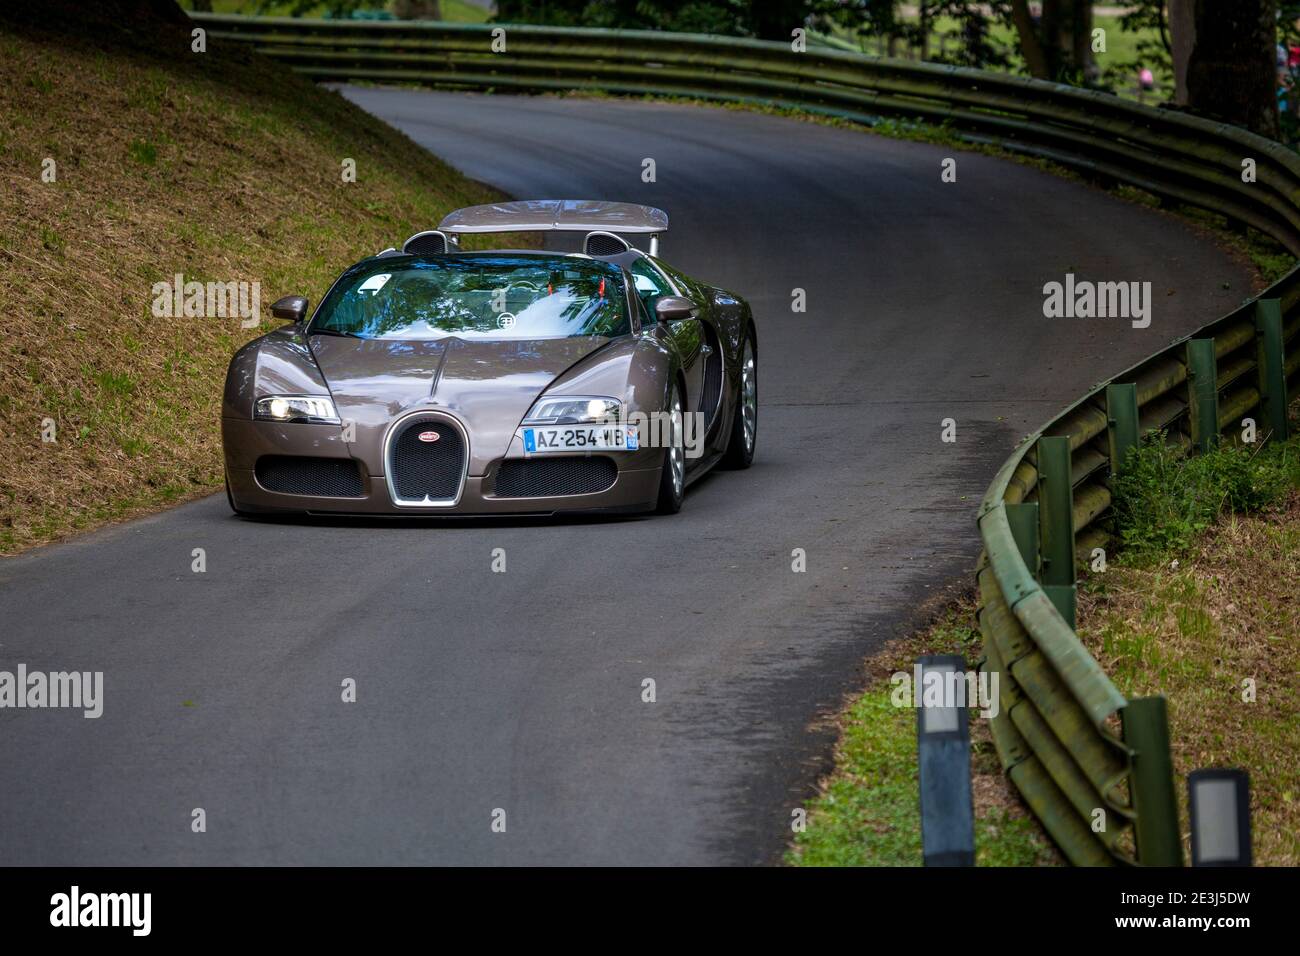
425	244
543	477
427	468
605	246
293	475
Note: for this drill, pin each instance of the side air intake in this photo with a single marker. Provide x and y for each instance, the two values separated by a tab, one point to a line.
323	477
428	243
551	477
604	244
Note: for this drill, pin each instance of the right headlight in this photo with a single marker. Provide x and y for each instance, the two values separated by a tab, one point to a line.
573	410
296	408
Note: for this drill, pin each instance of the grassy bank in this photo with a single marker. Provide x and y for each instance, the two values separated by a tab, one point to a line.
219	166
1201	607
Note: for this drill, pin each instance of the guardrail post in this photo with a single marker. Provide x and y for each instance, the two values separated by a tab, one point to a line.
1203	394
1121	423
1023	519
1272	368
1056	523
1146	732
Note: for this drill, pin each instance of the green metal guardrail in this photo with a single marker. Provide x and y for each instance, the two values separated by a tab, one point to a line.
1094	767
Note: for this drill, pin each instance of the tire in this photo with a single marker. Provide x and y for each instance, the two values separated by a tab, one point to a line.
744	430
672	476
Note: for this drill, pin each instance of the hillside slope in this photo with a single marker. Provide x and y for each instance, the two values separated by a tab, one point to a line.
219	166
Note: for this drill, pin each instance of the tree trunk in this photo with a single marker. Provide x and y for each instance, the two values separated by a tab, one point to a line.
1080	27
1182	37
1232	70
1031	47
418	9
1059	46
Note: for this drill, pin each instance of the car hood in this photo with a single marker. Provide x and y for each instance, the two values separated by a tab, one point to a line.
488	385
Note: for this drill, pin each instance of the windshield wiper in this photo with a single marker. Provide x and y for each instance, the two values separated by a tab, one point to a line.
324	331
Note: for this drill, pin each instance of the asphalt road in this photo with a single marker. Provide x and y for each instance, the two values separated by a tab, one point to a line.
523	691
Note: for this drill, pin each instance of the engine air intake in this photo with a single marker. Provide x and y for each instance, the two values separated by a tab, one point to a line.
428	243
604	244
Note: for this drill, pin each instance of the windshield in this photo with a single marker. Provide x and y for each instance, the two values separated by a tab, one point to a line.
476	297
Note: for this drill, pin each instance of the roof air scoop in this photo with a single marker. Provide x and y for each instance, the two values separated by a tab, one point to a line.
604	244
431	242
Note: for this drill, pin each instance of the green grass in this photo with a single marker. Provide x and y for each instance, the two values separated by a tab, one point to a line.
1164	499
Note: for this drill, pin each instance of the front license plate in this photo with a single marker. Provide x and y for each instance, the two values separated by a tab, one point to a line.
580	438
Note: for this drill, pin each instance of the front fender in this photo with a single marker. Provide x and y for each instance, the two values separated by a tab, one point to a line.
278	363
636	370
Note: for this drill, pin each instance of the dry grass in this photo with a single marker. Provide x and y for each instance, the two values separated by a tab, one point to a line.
219	166
1196	628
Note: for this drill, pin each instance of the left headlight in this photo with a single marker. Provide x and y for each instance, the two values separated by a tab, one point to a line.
573	410
296	408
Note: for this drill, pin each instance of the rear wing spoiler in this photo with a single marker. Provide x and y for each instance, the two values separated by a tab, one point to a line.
566	215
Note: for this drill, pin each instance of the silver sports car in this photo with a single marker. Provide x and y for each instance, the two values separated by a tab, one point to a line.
436	381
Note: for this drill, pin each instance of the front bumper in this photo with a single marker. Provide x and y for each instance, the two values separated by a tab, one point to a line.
635	487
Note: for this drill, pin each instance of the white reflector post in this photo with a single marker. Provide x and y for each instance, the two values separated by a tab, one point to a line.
1220	810
943	762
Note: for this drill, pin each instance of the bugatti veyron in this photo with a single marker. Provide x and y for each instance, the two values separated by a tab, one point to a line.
431	380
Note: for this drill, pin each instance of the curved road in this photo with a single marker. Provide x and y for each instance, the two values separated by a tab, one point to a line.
522	690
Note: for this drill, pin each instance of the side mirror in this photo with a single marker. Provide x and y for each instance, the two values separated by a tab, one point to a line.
674	308
291	308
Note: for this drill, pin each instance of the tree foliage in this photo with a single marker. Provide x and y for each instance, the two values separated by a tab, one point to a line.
763	19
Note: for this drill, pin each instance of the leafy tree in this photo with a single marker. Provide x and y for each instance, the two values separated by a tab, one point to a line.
764	19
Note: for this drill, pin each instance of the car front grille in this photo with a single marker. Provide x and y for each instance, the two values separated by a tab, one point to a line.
295	475
426	472
544	477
